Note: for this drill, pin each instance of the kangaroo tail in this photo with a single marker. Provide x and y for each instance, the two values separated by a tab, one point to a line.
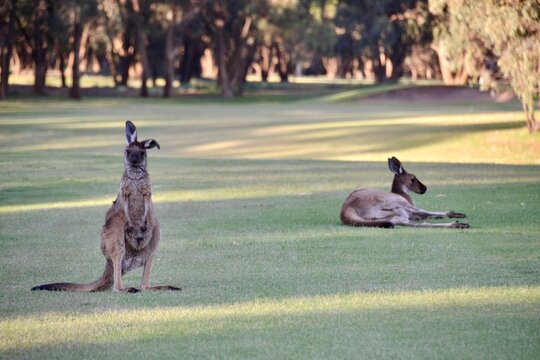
103	283
349	217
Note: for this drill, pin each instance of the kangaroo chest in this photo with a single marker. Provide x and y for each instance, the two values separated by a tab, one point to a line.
137	204
137	194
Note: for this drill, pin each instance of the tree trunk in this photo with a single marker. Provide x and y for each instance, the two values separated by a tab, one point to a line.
362	67
532	125
265	56
190	63
6	52
39	50
186	63
346	67
242	67
221	59
85	58
379	69
282	63
397	66
40	74
110	56
331	66
245	47
62	66
449	78
75	91
141	46
169	54
125	64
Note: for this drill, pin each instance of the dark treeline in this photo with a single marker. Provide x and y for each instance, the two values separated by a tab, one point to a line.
458	41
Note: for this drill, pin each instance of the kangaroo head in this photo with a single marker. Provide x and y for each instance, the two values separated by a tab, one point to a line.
404	180
135	154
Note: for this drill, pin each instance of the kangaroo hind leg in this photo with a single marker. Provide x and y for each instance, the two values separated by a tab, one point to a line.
425	214
114	249
145	280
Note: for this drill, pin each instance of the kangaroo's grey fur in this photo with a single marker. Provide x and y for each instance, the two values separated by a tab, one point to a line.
377	208
131	234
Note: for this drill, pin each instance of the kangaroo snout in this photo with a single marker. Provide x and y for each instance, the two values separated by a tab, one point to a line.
135	157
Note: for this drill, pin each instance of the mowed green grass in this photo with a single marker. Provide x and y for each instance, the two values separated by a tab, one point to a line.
248	196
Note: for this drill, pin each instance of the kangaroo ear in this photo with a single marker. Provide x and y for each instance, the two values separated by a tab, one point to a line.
150	143
131	132
395	166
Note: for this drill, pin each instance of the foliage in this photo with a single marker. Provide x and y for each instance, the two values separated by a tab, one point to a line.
511	34
382	31
374	40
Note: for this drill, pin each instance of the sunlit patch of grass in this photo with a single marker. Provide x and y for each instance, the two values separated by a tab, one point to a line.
355	132
61	330
214	194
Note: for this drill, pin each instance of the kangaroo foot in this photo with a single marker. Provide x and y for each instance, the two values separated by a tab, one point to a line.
128	290
163	288
458	225
456	215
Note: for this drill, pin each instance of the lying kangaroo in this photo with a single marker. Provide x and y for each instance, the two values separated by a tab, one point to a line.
130	236
377	208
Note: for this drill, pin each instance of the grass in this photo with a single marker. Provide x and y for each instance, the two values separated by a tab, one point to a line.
248	196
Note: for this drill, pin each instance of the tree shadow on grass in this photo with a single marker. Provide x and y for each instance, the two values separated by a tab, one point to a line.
287	242
472	322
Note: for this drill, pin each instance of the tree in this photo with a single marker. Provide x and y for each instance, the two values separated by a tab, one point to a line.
82	11
173	32
33	18
319	35
40	45
512	34
453	44
280	38
382	31
117	26
141	45
170	48
233	26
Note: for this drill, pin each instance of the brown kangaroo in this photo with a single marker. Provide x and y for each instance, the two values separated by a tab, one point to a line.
377	208
130	236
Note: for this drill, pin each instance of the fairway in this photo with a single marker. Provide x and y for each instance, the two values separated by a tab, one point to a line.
248	195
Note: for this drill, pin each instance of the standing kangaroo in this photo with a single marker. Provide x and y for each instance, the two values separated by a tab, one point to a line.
130	236
377	208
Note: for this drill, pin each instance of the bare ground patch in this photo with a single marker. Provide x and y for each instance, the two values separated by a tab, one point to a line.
440	93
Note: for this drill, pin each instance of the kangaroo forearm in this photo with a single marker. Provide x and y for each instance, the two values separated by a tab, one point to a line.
147	201
126	212
146	207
